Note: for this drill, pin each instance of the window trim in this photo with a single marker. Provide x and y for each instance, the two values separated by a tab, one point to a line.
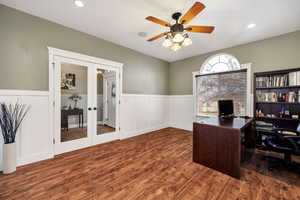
224	72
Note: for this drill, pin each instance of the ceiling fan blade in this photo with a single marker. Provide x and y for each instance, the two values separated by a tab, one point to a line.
158	21
193	11
200	29
158	36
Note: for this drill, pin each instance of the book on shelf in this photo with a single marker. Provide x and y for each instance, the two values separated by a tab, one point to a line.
294	78
292	97
273	81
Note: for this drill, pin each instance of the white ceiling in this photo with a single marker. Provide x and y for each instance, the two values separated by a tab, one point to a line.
120	21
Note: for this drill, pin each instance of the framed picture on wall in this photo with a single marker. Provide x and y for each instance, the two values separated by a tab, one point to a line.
68	81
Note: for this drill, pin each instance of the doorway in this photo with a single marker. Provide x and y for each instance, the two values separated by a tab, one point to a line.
86	98
110	99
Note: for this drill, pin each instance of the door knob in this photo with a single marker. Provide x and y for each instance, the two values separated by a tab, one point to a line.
95	108
89	108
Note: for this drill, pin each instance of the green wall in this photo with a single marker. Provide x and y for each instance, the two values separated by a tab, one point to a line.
275	53
24	55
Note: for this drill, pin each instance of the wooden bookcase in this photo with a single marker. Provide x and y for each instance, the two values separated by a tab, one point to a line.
271	98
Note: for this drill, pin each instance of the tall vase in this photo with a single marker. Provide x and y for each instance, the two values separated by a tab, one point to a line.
9	158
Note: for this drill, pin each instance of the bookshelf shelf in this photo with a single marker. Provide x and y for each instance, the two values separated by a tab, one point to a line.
285	87
278	103
277	118
271	91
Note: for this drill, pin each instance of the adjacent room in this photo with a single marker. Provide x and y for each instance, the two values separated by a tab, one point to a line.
159	100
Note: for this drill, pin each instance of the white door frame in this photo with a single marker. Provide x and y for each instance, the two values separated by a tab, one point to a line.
249	107
54	54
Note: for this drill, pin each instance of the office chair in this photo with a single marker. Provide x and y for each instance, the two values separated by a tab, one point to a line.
280	142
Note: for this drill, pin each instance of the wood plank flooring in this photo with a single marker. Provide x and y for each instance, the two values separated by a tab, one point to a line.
152	166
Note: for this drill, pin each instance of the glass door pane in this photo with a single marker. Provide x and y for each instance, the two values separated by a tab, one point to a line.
74	98
106	101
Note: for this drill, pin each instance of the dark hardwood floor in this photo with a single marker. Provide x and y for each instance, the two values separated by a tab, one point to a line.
152	166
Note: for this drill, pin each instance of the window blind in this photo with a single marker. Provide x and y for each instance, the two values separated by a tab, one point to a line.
221	86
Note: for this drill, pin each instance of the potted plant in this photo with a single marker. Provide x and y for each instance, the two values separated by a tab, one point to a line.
11	117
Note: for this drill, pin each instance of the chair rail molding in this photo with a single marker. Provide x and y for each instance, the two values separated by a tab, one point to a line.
23	93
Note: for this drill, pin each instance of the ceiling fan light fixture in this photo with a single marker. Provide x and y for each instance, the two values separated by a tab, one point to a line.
175	47
178	38
177	35
187	41
168	42
79	3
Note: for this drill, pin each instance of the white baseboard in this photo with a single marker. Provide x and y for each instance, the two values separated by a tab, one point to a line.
23	93
35	158
133	133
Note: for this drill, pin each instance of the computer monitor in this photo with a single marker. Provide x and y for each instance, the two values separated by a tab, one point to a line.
225	108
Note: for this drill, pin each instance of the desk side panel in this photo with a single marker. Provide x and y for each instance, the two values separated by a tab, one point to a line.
204	144
228	151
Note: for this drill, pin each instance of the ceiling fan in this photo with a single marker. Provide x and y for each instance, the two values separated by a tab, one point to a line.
177	37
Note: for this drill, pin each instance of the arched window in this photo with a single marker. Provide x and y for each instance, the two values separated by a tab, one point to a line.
221	77
220	63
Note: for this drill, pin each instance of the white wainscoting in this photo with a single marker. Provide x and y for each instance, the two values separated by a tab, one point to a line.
34	139
139	114
143	113
181	109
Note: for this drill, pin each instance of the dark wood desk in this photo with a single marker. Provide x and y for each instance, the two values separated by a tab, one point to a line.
218	143
65	115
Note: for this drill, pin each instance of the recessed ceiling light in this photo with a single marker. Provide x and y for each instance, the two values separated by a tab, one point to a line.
252	25
79	3
142	34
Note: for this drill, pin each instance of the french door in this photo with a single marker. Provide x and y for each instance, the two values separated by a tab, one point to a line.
80	100
106	126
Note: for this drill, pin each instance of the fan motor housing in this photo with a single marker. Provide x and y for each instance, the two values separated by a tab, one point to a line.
177	28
